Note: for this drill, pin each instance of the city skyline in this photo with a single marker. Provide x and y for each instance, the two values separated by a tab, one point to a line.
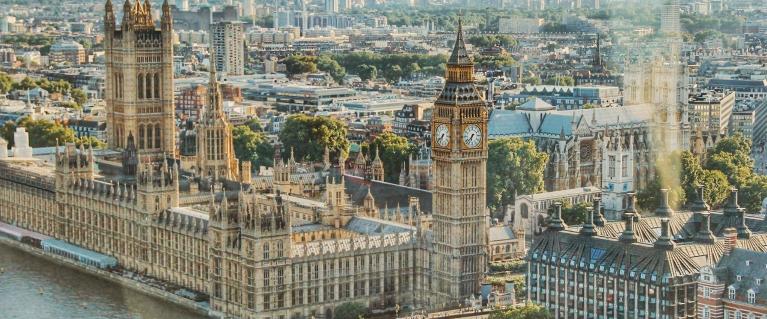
387	159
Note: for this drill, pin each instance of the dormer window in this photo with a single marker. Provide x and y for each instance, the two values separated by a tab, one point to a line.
758	281
748	263
738	278
751	296
731	293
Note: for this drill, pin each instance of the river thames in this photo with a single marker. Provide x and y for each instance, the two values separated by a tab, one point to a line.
33	288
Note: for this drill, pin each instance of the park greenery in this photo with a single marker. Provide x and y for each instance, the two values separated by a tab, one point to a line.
394	152
514	166
308	136
572	214
253	146
528	311
488	41
514	266
368	65
78	96
45	133
728	164
563	80
350	310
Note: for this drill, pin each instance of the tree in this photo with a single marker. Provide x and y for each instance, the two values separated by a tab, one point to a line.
753	193
648	199
308	136
513	167
394	151
564	80
533	80
691	175
300	64
717	189
367	72
79	96
252	146
25	84
42	133
6	82
254	124
350	310
326	64
572	215
70	105
486	41
90	141
528	311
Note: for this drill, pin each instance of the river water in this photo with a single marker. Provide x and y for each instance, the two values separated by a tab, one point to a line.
32	288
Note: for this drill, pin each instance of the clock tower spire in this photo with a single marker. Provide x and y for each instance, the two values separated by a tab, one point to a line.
459	150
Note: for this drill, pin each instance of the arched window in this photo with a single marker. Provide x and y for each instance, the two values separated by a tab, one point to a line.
148	86
157	135
156	85
266	251
149	136
140	86
751	296
141	137
731	293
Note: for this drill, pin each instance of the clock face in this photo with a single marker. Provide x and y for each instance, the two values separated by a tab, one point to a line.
472	135
442	135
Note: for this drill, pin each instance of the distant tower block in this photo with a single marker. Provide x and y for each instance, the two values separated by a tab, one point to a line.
21	142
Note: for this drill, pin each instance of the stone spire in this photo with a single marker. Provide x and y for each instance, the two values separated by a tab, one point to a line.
166	21
126	24
664	210
556	223
216	103
459	54
664	241
109	15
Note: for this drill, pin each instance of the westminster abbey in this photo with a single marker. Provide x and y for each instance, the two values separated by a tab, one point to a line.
295	244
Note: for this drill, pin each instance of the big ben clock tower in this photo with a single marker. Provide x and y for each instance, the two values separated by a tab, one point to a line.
459	151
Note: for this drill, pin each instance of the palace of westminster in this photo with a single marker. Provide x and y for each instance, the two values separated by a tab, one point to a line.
290	245
298	243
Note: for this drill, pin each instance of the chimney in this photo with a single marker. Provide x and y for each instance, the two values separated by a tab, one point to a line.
631	209
664	241
664	209
743	231
588	228
699	205
731	208
730	240
628	236
599	219
557	223
705	235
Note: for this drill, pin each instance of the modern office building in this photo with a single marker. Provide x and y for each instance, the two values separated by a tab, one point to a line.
647	267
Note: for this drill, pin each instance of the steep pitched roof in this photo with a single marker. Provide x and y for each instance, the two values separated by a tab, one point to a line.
459	54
